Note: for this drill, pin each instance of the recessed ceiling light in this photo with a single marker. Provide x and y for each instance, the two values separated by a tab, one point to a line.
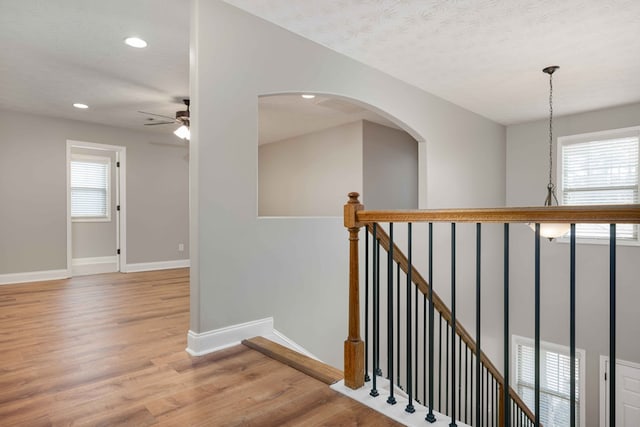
81	106
308	96
135	42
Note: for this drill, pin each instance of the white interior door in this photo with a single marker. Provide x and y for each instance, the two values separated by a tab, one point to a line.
627	394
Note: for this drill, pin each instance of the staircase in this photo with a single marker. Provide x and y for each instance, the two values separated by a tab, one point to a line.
417	346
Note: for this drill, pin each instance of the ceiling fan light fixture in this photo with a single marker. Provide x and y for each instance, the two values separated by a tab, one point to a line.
80	106
183	132
135	42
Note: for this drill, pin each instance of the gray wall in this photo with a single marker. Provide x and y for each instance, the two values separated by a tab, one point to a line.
245	268
96	239
33	191
310	174
527	169
390	170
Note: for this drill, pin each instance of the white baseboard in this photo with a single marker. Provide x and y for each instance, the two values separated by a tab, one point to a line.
94	265
34	276
199	344
159	265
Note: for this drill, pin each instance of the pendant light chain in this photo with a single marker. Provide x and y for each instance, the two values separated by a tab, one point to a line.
551	188
550	128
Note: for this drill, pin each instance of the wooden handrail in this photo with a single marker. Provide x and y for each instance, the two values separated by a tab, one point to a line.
355	217
602	214
441	307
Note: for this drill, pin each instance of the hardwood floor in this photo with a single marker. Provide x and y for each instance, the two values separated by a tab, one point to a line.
108	350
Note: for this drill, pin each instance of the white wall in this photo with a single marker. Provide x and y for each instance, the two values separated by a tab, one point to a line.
527	169
245	268
309	175
390	168
33	210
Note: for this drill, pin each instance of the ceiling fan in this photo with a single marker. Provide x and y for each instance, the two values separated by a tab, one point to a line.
182	118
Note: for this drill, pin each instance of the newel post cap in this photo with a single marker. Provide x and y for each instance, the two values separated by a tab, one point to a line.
350	211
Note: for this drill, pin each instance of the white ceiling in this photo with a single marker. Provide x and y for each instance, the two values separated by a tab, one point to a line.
285	116
57	52
483	55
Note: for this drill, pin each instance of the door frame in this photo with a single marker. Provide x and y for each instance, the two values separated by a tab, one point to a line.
121	197
604	386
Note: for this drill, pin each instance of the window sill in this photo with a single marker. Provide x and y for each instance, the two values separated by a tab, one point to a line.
92	219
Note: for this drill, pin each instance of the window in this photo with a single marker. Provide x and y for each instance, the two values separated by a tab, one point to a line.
601	169
90	192
555	380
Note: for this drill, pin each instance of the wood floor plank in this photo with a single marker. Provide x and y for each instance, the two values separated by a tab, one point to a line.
108	350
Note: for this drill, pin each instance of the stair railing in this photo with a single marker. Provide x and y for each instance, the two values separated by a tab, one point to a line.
476	393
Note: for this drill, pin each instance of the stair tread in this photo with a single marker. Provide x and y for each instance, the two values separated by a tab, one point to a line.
312	367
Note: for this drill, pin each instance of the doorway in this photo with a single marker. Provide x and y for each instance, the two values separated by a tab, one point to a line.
627	393
96	188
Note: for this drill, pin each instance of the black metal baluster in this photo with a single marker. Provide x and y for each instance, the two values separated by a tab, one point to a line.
398	376
487	395
493	400
459	377
424	348
478	307
537	325
471	388
453	325
440	365
506	397
366	305
376	310
466	383
446	371
416	345
391	399
612	325
430	416
572	325
378	370
409	407
481	382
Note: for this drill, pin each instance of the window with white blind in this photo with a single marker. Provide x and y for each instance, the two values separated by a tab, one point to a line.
601	169
555	389
90	189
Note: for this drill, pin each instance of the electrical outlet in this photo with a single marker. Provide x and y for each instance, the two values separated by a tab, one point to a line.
180	247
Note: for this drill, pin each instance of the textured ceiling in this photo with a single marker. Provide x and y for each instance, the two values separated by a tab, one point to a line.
487	55
483	55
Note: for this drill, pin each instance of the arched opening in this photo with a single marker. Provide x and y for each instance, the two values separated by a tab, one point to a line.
312	151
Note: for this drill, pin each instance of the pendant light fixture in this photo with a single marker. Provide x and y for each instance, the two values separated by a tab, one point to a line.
548	230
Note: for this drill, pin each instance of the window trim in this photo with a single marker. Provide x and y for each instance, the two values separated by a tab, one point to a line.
588	137
581	355
94	159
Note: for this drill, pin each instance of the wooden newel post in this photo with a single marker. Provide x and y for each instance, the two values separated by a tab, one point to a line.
353	345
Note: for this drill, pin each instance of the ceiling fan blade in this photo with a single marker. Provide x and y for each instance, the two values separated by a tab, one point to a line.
158	123
158	115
